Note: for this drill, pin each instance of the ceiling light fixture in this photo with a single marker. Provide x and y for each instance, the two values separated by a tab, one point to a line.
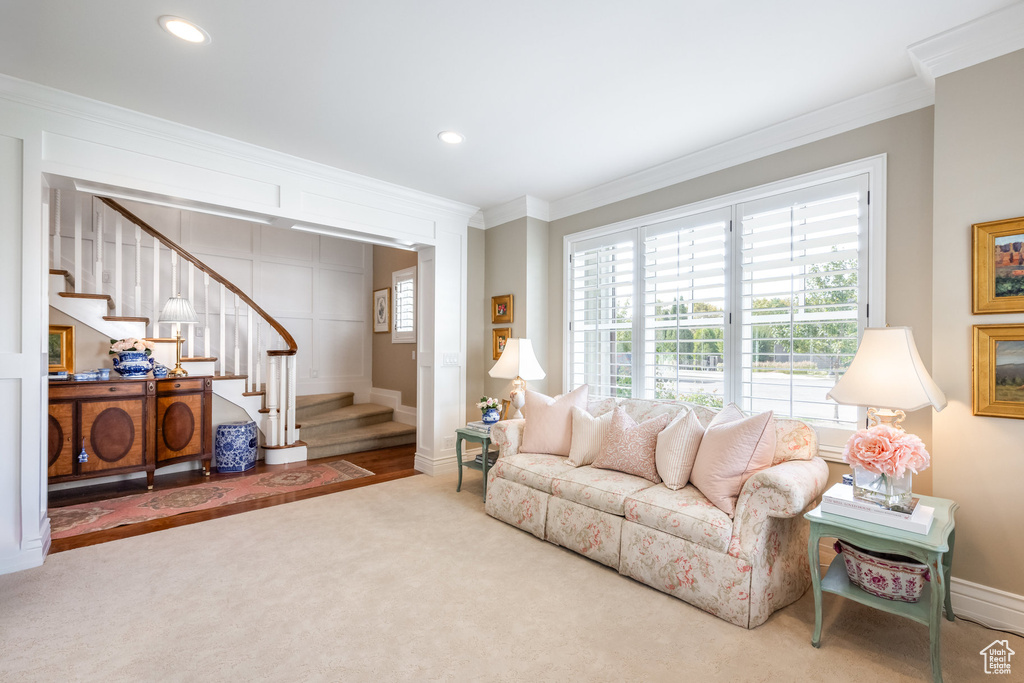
185	30
451	137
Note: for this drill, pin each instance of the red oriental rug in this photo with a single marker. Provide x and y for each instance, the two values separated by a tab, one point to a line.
107	514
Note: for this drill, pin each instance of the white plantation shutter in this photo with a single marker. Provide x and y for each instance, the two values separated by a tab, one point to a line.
803	290
403	284
601	298
684	306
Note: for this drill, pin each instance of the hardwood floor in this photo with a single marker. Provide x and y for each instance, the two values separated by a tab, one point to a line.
387	464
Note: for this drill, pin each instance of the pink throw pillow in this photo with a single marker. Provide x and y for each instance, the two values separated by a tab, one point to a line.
629	447
548	427
733	448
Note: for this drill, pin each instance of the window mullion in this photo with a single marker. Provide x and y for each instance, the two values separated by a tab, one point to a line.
639	344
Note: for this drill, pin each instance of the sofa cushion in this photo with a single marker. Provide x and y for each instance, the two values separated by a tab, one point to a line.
587	436
677	449
629	447
531	469
604	490
685	513
549	421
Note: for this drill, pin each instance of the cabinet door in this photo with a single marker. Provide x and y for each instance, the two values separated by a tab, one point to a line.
60	447
114	433
179	426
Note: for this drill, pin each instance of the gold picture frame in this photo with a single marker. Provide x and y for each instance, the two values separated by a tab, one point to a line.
505	403
501	309
499	337
998	254
998	376
61	348
381	310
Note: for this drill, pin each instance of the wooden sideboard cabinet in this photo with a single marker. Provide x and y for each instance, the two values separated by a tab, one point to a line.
128	425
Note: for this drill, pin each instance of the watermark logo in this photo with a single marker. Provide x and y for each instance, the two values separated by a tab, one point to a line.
997	657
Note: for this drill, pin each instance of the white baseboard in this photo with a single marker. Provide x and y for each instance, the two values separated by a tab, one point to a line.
31	556
282	456
393	399
990	607
433	466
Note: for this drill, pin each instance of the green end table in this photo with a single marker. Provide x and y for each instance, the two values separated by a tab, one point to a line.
466	434
934	549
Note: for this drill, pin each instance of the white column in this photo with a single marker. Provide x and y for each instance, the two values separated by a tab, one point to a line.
283	397
97	246
238	369
138	271
206	314
291	362
78	247
156	287
118	258
223	360
56	230
272	417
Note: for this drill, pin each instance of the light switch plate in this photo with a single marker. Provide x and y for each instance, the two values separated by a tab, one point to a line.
451	359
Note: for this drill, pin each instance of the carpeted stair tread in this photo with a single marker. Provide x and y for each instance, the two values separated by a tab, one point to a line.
308	406
357	439
316	399
358	411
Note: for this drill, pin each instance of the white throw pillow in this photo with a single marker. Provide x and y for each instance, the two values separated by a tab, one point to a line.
677	449
587	434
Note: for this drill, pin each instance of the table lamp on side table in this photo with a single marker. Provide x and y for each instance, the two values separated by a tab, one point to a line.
178	310
518	363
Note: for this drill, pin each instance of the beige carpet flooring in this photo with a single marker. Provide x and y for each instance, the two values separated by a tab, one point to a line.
409	581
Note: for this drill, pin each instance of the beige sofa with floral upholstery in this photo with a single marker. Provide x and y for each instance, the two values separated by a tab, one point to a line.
740	569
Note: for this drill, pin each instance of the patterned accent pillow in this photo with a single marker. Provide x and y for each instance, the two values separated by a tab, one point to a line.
733	448
677	449
548	426
587	436
629	447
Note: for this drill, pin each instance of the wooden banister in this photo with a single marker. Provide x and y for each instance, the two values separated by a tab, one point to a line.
285	335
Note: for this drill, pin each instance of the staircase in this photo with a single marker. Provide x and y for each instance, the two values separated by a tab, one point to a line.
254	366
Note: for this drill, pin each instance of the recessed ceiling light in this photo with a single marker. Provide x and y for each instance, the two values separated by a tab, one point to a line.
451	137
185	30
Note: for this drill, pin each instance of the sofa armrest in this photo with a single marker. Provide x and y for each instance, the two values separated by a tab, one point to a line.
508	434
782	491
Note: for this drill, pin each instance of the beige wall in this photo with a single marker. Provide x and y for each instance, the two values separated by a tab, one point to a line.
979	176
394	365
91	346
477	322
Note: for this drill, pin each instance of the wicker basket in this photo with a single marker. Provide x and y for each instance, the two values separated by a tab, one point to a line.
892	577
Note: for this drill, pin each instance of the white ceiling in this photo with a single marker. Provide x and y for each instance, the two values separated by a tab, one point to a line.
553	97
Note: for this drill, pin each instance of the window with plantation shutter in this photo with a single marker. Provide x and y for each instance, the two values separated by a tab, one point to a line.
403	285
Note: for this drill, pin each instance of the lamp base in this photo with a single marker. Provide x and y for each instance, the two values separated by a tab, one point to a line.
178	371
884	416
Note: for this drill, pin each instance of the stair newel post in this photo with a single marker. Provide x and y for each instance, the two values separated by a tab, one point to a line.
138	271
223	359
97	247
291	398
56	229
283	398
191	298
118	265
206	315
238	369
78	246
156	287
272	417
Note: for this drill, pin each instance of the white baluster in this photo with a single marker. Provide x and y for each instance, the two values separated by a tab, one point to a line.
191	298
78	246
272	417
175	289
156	288
97	245
291	399
238	369
259	357
223	360
283	394
138	271
56	229
118	257
206	314
248	347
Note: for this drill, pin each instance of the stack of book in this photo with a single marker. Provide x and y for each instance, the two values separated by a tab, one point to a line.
491	457
839	500
480	427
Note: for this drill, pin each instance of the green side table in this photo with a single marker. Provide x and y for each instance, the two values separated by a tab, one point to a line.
934	549
466	434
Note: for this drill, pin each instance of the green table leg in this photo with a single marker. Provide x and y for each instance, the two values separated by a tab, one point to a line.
487	453
458	457
814	557
935	562
947	563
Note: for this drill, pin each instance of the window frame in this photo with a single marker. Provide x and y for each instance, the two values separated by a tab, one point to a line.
402	336
873	313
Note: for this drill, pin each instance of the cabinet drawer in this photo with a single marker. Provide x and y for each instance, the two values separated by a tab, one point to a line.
113	388
181	385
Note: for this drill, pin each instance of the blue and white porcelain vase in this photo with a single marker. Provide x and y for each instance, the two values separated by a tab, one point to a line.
133	364
235	446
491	415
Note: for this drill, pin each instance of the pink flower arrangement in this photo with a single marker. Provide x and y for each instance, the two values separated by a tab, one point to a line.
130	344
886	450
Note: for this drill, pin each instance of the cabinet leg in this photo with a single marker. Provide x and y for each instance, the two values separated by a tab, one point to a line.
458	459
149	480
206	467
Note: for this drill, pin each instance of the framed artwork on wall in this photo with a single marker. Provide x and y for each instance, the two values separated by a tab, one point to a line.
505	403
999	266
61	348
501	309
999	370
382	310
499	336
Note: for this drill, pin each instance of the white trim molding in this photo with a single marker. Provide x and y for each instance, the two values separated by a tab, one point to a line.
393	399
985	38
520	207
989	607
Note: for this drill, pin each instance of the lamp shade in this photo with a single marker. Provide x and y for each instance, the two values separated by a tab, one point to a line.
178	309
887	372
517	360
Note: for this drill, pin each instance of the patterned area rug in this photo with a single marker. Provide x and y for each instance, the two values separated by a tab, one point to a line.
86	517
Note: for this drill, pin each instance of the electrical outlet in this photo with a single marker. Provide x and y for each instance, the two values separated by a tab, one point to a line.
312	372
106	276
199	332
449	442
414	354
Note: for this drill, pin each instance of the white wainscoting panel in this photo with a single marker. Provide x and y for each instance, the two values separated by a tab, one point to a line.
342	295
217	234
286	287
338	252
340	350
288	244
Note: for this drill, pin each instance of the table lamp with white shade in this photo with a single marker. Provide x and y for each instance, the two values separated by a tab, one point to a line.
178	310
887	377
518	363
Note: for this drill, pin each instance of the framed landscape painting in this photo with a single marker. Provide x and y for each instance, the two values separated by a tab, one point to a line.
61	348
999	266
999	370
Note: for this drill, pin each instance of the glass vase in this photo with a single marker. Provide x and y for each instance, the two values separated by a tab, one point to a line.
892	493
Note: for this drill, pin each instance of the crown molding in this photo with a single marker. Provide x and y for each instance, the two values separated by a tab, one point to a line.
893	100
520	207
74	106
985	38
477	221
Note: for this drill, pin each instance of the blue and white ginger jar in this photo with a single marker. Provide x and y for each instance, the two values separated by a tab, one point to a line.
491	415
133	364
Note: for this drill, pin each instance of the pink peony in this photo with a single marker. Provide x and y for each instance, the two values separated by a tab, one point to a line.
886	450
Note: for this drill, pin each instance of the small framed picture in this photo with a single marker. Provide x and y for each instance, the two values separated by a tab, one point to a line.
999	266
61	348
505	403
499	337
382	310
999	370
501	309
